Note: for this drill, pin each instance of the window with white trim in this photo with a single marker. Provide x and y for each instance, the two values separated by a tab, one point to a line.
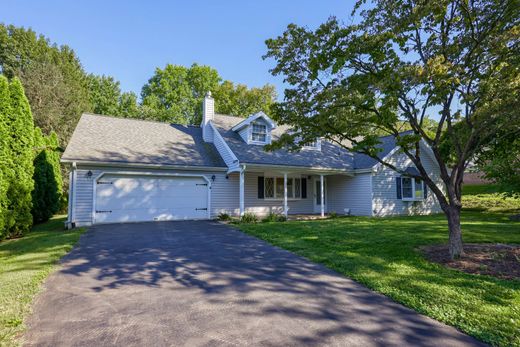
412	188
259	132
316	144
274	189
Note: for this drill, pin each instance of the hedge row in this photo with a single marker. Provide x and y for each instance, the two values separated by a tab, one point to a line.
30	178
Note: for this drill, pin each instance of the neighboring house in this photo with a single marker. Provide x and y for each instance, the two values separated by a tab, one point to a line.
125	170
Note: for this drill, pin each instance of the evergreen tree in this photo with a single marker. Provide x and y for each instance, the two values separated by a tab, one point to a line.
48	184
21	141
5	159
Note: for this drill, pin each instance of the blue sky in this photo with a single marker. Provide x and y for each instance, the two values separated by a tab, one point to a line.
129	39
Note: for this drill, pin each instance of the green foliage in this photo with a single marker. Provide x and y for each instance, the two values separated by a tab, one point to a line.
238	100
249	217
224	217
175	93
382	254
486	197
24	265
20	144
405	61
52	76
501	162
104	93
128	106
274	217
5	154
48	183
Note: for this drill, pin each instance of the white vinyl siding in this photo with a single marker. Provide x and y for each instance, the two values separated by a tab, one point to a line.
353	193
384	189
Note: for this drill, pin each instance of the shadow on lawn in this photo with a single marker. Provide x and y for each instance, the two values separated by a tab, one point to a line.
261	290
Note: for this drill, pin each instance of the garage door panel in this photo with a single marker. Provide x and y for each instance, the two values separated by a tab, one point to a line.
139	198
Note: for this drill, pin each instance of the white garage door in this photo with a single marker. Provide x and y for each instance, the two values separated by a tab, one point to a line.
128	198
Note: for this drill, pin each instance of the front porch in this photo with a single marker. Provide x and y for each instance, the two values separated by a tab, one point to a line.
289	192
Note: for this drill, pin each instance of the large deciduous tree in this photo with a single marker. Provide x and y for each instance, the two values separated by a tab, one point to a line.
239	100
52	76
175	93
404	61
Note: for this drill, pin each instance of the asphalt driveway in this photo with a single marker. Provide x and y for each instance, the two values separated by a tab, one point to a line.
206	284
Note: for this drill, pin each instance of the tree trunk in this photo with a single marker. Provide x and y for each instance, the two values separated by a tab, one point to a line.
455	246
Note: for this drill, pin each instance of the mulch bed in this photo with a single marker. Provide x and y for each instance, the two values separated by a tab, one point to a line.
498	260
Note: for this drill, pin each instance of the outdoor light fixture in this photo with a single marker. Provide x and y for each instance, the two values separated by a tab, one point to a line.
227	177
89	173
213	178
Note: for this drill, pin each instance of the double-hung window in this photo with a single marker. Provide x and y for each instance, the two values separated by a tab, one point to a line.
259	132
412	188
274	188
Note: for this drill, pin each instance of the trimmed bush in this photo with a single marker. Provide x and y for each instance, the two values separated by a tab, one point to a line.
48	184
224	217
249	218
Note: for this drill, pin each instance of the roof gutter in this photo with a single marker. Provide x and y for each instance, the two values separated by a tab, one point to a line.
142	165
300	168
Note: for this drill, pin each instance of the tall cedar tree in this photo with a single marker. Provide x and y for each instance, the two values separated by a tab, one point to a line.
5	156
20	144
404	61
47	193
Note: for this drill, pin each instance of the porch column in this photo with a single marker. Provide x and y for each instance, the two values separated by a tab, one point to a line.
241	180
322	196
285	209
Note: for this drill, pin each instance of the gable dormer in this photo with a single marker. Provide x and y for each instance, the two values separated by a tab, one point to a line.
256	129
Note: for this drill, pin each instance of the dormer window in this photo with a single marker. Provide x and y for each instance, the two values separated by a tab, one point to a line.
259	132
316	144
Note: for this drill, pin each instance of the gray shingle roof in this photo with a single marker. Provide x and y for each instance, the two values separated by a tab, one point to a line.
330	156
362	161
120	140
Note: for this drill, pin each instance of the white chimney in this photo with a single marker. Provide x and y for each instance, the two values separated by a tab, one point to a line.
208	113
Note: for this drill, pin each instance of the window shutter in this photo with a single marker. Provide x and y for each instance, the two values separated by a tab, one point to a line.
304	188
260	187
398	185
425	187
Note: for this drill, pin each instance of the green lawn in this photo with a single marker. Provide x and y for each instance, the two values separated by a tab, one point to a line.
382	254
24	264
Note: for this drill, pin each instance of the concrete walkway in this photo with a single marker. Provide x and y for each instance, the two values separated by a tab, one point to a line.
205	284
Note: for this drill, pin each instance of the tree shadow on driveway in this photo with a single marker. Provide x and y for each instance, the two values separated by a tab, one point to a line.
203	283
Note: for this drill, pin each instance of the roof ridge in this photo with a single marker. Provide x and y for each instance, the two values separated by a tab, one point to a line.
137	119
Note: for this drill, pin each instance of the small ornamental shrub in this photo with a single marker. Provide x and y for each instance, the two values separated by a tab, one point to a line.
224	217
274	217
249	218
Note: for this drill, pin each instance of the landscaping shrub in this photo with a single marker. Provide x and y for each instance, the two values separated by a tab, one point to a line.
224	217
5	157
249	218
488	198
48	183
274	217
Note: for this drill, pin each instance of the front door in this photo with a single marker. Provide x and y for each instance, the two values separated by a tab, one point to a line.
317	195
